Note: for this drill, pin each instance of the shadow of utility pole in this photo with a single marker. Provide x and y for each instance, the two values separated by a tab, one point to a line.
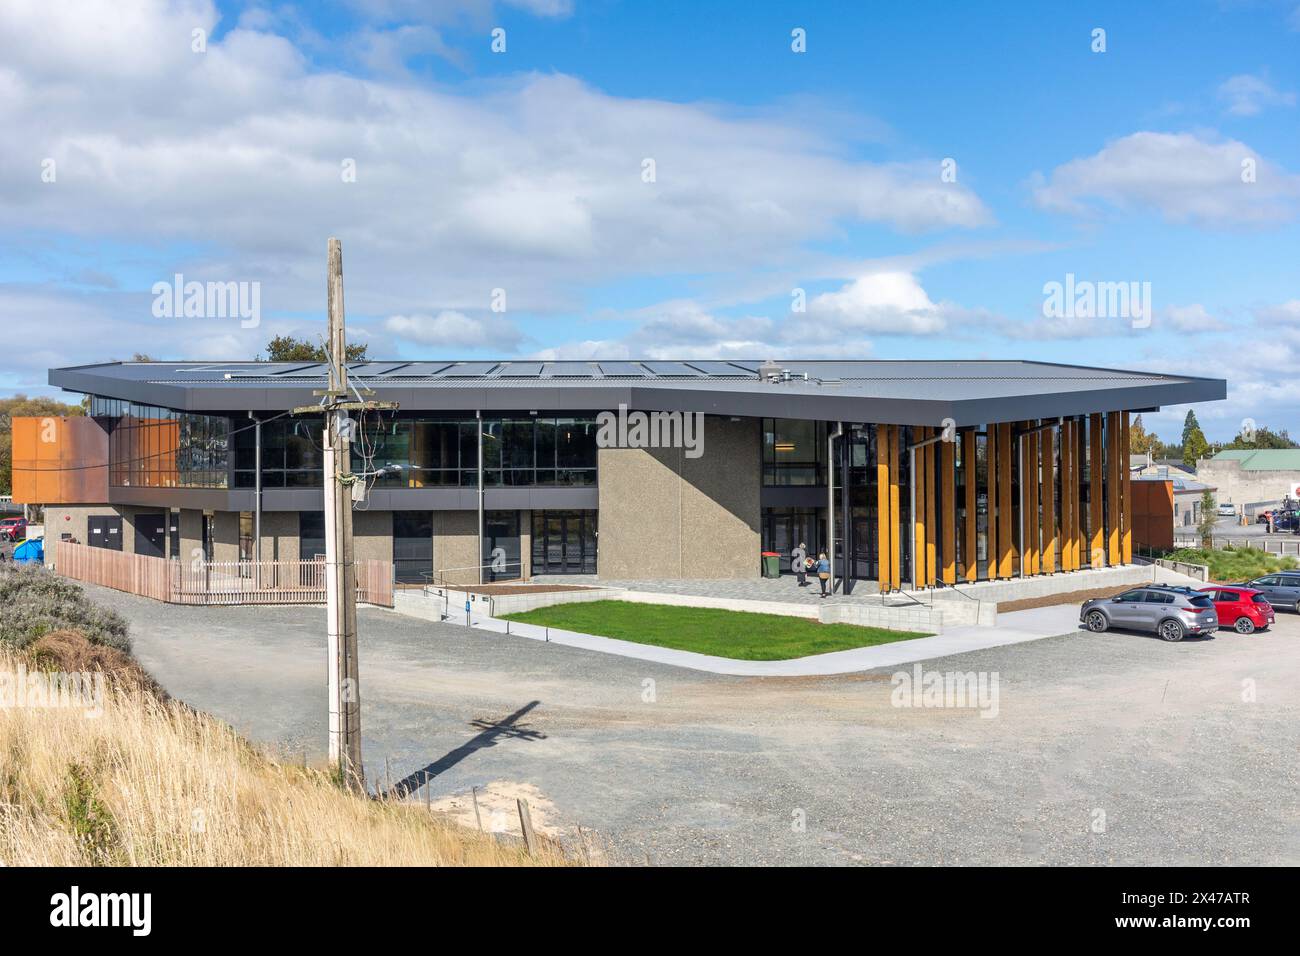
508	727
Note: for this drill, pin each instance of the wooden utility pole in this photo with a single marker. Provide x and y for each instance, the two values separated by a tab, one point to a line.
340	563
340	560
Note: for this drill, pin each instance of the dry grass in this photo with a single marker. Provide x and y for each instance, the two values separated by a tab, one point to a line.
150	782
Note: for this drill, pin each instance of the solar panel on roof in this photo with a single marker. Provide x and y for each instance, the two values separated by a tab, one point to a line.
671	368
469	369
569	370
623	369
425	368
521	370
723	369
314	370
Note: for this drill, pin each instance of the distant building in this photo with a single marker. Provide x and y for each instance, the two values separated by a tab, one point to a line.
1253	478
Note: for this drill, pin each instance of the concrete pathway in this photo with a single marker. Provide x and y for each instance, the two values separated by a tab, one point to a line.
1013	628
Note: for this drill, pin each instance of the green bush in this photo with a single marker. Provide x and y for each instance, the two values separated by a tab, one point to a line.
35	602
1234	564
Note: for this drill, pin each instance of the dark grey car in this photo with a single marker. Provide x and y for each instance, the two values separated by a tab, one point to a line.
1171	612
1281	589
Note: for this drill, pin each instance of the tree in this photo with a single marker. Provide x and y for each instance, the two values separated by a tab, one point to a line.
1140	442
285	348
1263	438
1209	514
21	406
1195	447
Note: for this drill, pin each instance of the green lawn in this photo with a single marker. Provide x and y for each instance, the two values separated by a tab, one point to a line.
740	635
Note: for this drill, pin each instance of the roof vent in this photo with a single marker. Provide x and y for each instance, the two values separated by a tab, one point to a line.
769	371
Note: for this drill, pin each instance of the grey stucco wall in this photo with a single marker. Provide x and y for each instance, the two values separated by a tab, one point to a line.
663	515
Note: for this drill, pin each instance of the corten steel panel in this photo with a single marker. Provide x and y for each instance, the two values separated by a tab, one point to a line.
1096	489
1153	514
884	440
1006	544
1116	465
969	471
1126	495
947	470
1049	500
59	460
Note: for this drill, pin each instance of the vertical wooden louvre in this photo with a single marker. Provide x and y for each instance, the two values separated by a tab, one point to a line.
884	478
931	511
1048	496
895	518
1115	470
1126	503
1096	488
1068	504
970	472
1029	482
1005	542
919	519
991	497
948	474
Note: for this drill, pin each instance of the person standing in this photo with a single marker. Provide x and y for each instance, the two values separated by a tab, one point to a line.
799	564
823	572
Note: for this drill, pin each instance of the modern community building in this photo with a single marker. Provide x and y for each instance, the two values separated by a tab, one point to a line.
918	472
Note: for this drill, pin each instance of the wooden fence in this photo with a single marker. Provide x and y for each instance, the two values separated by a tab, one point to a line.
216	582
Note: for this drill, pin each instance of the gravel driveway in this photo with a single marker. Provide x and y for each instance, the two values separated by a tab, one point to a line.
1111	748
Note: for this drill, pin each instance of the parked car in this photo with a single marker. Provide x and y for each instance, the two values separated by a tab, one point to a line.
13	529
1243	609
1280	589
1171	612
1227	511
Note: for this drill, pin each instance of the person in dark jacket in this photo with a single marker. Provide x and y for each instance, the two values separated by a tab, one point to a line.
799	564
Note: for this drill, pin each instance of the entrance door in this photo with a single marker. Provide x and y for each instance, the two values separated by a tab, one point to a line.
105	531
151	535
564	542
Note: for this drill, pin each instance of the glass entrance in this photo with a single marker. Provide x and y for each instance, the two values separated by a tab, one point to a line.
786	528
564	542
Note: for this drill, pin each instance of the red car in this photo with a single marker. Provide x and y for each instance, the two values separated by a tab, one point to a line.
13	529
1243	609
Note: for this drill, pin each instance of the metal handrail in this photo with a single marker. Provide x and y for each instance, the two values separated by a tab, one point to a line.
438	578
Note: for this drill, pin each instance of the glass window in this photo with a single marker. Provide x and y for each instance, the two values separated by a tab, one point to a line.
794	452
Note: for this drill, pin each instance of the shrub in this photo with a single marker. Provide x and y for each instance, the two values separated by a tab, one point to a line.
1234	564
35	602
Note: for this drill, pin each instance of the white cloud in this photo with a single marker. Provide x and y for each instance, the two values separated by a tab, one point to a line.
888	303
1249	95
452	329
1184	177
1190	318
531	184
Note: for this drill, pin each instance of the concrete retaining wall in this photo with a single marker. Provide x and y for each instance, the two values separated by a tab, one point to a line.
929	620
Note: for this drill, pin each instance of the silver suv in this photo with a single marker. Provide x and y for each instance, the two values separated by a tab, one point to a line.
1172	612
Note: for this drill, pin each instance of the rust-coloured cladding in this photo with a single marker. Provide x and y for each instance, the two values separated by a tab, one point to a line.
1153	514
59	461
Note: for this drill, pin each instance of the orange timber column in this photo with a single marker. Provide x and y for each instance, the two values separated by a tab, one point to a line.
969	473
948	476
1114	478
895	516
1029	478
1096	488
931	511
919	517
1068	505
991	497
884	545
1048	496
1005	544
1126	504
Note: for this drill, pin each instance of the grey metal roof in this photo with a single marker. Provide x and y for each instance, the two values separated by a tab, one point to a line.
890	391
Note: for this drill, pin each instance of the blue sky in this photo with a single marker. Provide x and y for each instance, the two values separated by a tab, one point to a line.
775	171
